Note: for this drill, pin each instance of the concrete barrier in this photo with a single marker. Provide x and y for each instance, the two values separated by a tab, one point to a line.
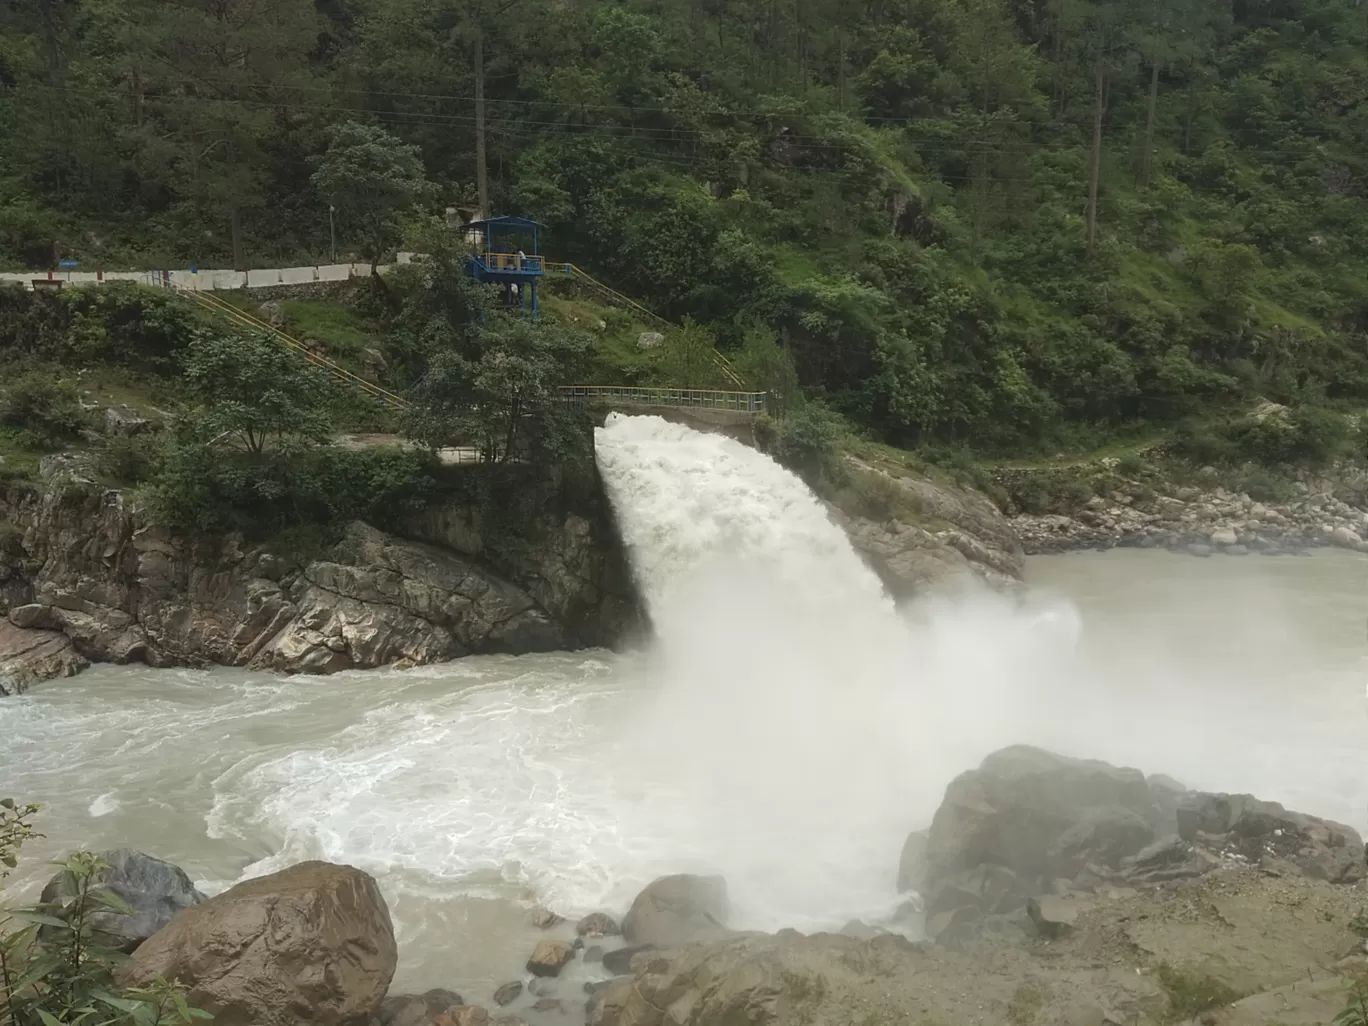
203	279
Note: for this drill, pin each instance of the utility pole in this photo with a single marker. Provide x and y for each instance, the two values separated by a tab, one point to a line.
332	231
481	165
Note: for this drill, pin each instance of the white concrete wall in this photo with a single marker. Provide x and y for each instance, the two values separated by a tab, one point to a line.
204	280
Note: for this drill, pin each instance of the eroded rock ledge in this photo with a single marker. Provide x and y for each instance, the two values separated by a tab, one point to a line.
87	576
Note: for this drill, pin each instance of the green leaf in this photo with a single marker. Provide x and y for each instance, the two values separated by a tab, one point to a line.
39	919
111	900
48	1018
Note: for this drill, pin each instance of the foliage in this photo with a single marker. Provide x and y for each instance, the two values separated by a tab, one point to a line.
43	406
372	179
500	395
1307	436
54	970
807	443
1355	1011
255	394
899	195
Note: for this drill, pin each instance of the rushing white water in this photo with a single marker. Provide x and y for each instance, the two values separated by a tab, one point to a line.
786	729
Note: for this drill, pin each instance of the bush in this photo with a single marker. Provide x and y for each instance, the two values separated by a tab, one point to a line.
63	975
43	406
1309	436
808	443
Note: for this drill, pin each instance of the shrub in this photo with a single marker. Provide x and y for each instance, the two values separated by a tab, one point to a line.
808	443
62	976
44	406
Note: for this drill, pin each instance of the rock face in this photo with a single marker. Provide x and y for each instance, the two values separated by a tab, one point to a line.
931	534
89	566
1028	823
678	910
311	944
156	891
549	958
29	656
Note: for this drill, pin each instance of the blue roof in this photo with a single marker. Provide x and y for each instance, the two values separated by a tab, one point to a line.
505	222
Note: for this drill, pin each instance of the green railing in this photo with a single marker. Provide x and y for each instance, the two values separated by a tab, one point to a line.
680	398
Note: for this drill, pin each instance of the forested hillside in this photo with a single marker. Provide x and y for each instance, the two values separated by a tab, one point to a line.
1012	223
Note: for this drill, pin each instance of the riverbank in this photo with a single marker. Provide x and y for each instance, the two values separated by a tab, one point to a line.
1199	513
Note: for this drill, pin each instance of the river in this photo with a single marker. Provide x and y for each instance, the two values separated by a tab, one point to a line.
787	735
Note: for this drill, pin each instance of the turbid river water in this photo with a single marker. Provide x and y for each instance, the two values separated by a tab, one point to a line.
787	728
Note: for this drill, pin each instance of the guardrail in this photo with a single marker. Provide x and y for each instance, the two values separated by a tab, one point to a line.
679	398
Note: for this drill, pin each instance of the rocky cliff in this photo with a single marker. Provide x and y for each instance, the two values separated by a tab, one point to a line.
87	575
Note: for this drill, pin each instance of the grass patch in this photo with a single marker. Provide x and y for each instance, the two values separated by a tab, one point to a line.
345	332
1191	993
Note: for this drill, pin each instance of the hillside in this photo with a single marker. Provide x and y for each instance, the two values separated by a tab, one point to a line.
1013	225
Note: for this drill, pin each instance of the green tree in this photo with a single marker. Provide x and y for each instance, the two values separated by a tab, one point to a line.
372	179
502	397
255	395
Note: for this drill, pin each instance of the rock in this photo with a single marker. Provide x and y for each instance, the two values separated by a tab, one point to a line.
96	567
1345	538
596	990
678	910
543	918
546	1005
1052	916
650	340
388	600
121	420
1198	549
619	960
1224	536
1243	825
912	862
508	993
439	999
29	656
598	924
312	943
466	1015
156	891
991	889
1017	811
272	312
404	1010
1171	858
593	954
1103	835
549	958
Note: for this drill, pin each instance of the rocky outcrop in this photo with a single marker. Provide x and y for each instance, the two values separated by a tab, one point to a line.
1029	823
312	944
154	890
919	534
86	575
678	910
29	656
1198	522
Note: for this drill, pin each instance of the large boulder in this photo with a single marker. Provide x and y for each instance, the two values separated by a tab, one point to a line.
156	891
678	910
311	944
1039	815
29	656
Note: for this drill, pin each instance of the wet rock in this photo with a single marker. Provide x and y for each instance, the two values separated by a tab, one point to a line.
912	862
547	1005
316	936
549	958
508	993
619	961
598	924
1034	813
1224	536
593	954
1052	916
439	999
1102	836
404	1010
29	656
678	910
990	889
156	891
596	991
1244	826
1345	538
543	918
954	925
